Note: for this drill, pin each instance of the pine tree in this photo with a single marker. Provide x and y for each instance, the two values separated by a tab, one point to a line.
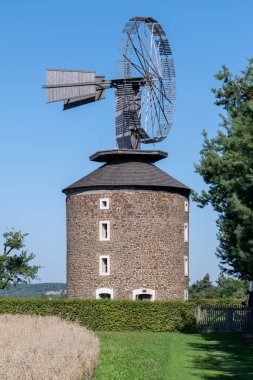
226	165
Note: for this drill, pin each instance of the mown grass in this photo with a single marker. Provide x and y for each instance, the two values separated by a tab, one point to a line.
169	356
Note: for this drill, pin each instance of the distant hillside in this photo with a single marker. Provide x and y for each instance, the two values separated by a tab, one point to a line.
43	290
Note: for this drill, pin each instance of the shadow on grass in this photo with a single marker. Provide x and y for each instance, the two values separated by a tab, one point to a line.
222	357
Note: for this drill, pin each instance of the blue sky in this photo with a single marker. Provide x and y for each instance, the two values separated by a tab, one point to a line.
42	149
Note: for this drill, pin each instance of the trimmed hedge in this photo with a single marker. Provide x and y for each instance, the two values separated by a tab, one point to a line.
106	315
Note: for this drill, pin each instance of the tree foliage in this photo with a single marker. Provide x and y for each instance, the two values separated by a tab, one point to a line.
227	287
231	287
226	165
203	289
15	267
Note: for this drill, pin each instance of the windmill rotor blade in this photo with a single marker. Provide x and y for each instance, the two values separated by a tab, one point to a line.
64	85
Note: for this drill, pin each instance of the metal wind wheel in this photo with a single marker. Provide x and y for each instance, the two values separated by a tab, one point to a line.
150	103
145	88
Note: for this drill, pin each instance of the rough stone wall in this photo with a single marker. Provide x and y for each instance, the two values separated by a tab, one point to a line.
146	246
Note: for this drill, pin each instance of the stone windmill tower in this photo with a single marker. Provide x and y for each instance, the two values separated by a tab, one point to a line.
127	221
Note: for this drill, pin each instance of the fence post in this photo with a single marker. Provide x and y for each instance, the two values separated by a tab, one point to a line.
198	314
229	326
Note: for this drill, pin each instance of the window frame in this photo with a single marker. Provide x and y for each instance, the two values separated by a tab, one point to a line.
186	233
102	207
101	238
107	273
140	291
186	265
104	291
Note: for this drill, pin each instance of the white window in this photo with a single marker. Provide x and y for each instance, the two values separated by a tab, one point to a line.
186	267
104	293
104	265
144	294
186	295
104	230
104	203
186	232
186	206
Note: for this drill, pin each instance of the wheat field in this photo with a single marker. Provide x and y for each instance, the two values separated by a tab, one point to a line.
45	348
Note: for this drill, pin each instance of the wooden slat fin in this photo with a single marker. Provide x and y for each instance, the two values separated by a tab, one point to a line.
61	77
82	100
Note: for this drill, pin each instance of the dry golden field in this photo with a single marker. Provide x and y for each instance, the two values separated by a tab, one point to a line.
45	348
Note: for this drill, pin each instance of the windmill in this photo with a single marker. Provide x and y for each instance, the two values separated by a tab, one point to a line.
145	87
127	199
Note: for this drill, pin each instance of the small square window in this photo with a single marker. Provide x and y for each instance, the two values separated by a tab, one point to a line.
104	265
104	230
104	203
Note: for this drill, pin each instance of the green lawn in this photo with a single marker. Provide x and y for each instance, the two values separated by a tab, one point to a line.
173	356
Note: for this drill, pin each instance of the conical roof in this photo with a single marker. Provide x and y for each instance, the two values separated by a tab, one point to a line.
127	170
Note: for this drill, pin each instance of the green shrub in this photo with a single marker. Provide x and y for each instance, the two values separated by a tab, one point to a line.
225	302
112	315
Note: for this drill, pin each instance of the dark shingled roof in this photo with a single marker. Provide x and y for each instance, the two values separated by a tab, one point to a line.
128	154
127	173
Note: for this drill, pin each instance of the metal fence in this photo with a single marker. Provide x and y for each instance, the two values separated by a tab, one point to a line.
225	319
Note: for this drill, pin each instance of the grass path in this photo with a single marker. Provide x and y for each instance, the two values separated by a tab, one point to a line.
169	356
